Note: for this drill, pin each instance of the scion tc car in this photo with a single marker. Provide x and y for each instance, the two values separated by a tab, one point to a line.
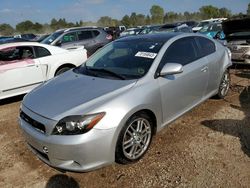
25	65
109	108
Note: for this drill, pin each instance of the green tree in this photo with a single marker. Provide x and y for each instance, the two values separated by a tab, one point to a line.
126	21
148	20
133	19
209	11
24	27
6	29
37	27
157	14
107	21
53	24
170	17
248	9
140	20
225	13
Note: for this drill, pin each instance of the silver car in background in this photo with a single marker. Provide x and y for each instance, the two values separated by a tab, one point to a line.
109	108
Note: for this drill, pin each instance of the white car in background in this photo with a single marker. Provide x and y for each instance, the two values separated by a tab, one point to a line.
206	22
25	65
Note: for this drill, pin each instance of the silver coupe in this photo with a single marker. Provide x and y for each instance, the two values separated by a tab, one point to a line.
109	108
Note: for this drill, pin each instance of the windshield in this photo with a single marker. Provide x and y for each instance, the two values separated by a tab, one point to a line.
211	28
52	37
122	59
202	24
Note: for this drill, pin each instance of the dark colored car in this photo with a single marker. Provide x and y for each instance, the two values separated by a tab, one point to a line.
40	38
115	31
131	31
92	38
149	29
190	23
10	40
175	27
28	36
237	32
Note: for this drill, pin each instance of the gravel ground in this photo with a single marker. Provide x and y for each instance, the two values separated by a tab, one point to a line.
207	147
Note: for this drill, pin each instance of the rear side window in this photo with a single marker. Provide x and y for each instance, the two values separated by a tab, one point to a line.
83	35
96	33
41	52
16	53
206	46
182	51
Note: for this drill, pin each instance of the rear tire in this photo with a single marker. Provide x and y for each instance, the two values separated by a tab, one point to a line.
134	139
224	85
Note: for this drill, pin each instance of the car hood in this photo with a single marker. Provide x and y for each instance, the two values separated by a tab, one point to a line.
72	93
236	25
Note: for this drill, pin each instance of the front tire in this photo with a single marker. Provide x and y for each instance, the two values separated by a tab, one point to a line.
134	139
224	85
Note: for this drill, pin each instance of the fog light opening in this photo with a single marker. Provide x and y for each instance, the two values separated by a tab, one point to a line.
45	150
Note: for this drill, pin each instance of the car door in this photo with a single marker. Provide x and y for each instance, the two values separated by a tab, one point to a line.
19	69
182	91
86	39
45	59
68	40
208	50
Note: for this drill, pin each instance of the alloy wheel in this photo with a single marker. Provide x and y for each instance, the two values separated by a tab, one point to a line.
136	138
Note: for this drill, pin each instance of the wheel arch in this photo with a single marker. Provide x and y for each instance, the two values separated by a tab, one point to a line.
70	65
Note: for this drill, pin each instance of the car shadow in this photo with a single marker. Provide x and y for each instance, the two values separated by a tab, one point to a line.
234	127
62	181
11	100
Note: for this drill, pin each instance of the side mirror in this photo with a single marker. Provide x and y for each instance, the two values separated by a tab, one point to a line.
59	43
170	69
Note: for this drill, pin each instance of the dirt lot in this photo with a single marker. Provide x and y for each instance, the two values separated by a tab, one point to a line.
208	147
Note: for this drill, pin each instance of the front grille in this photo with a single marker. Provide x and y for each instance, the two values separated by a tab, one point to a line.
38	126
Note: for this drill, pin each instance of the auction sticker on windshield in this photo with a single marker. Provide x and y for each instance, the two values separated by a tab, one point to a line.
149	55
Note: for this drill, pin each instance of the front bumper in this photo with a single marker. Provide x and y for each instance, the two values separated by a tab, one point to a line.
80	153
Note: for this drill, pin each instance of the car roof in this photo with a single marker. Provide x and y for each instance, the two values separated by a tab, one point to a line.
78	28
155	37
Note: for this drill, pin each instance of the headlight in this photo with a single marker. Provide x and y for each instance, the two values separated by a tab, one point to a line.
74	125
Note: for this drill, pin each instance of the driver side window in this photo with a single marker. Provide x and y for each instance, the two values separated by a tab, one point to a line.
182	51
69	37
16	53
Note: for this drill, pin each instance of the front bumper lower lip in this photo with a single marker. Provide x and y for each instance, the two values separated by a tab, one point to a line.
79	153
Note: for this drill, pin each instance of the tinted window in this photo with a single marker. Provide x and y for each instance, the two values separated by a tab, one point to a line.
83	35
182	51
69	37
16	53
41	52
96	33
206	46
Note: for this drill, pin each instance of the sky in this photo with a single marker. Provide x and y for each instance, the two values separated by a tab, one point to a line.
42	11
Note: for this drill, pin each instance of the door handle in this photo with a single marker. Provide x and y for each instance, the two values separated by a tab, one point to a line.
204	69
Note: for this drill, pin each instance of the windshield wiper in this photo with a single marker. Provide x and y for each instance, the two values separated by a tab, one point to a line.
107	71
